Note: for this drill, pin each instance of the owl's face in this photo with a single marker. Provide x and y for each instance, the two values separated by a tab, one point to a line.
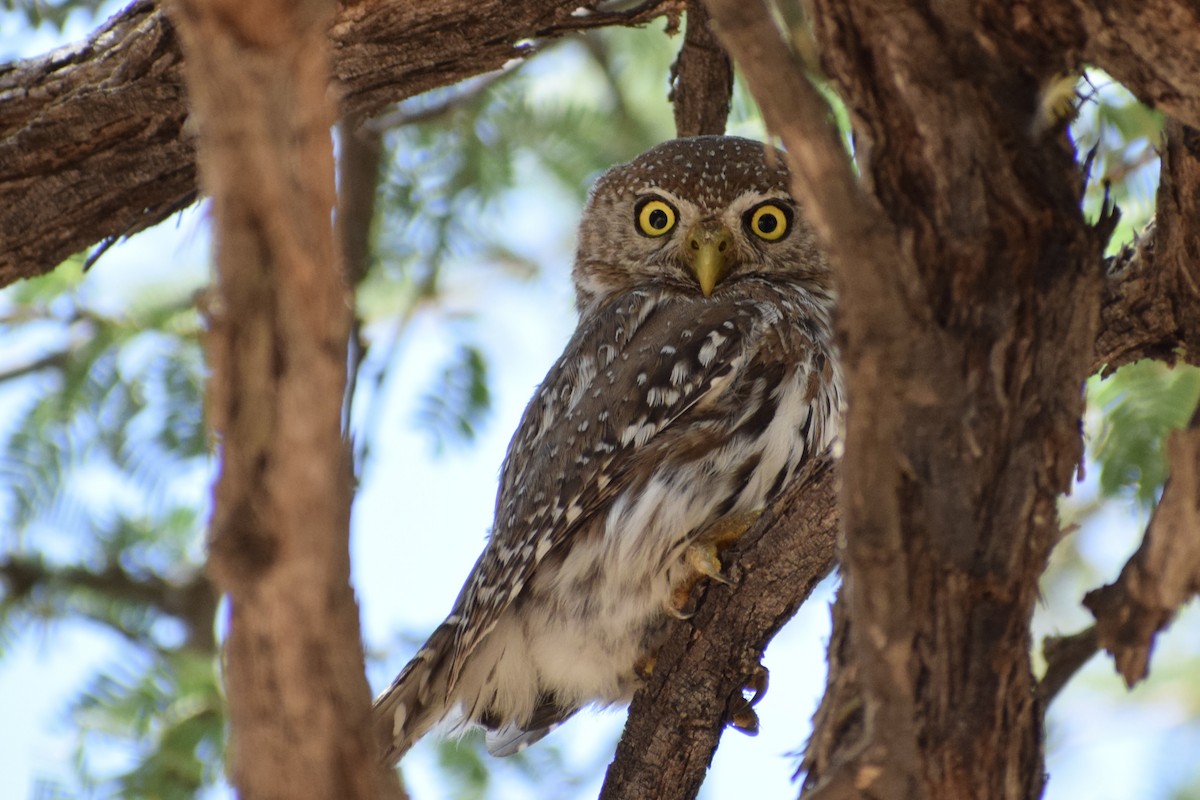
695	215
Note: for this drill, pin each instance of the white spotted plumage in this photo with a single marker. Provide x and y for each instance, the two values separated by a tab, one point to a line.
668	411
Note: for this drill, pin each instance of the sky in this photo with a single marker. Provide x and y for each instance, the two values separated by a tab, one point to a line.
420	520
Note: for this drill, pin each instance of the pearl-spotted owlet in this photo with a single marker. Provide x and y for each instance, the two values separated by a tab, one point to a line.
700	381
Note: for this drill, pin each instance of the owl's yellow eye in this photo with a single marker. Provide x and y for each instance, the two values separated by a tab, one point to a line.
654	217
769	221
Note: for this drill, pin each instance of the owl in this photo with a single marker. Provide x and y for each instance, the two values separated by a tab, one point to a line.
700	381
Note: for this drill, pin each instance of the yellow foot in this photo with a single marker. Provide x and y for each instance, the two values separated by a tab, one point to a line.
703	556
706	561
745	719
728	530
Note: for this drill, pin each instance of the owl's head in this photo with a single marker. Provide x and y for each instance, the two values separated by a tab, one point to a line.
696	216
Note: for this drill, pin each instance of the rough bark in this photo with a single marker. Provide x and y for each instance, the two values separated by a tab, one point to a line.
968	309
257	75
1151	306
701	78
94	140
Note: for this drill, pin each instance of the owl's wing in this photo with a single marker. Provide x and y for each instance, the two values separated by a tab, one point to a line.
643	365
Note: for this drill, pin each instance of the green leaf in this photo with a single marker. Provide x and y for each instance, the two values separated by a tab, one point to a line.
1140	405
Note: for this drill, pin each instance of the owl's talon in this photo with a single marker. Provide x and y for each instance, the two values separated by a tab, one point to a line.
703	558
742	714
745	719
757	683
674	608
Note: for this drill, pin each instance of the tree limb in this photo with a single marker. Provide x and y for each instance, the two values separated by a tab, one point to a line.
701	78
299	705
95	139
192	601
1065	655
967	313
1151	302
359	171
1163	574
1151	46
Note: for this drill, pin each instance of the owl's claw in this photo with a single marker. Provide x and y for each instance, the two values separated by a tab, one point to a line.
704	559
678	601
758	681
742	715
745	719
703	556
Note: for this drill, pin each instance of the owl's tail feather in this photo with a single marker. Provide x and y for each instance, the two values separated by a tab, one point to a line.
417	700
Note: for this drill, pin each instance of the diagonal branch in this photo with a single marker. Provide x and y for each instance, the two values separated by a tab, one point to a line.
674	725
1065	655
95	138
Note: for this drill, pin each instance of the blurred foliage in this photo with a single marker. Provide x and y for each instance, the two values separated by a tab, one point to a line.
1120	137
100	465
471	774
458	398
41	12
1139	406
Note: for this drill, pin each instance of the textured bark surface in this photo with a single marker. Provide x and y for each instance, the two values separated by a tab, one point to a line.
1164	573
1151	304
94	140
969	309
701	78
257	75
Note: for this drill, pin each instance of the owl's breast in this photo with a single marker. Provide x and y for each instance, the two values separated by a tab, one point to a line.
597	609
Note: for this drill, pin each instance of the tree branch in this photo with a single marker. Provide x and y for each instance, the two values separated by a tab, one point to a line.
359	170
1163	574
967	315
674	725
95	139
193	601
1151	46
1151	302
1065	655
701	78
823	180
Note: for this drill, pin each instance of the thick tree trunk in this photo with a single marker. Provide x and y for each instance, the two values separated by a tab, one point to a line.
258	73
968	311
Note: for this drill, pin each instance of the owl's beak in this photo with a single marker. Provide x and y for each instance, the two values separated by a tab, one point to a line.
707	247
